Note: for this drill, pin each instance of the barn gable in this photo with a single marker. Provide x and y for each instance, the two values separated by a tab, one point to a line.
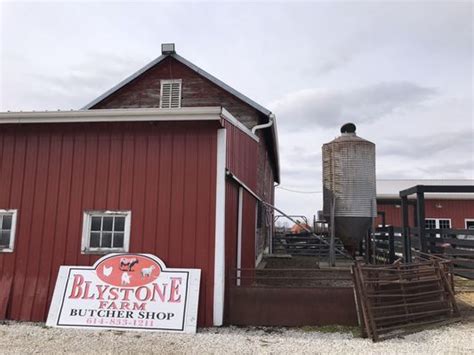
143	89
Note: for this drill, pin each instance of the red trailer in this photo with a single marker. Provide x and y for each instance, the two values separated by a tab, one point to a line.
166	163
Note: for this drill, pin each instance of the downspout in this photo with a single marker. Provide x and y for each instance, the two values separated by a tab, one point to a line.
264	125
271	118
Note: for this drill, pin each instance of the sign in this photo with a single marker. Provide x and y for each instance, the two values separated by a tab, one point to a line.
126	291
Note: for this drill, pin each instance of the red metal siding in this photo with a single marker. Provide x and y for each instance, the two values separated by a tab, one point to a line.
249	213
456	210
163	172
242	156
393	215
241	161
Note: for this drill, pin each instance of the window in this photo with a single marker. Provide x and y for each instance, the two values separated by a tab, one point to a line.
469	223
437	223
444	223
170	94
7	230
430	223
106	232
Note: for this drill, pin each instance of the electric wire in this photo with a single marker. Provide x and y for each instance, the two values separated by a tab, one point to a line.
298	191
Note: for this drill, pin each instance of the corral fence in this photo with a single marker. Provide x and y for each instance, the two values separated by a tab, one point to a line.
303	240
398	298
291	297
306	244
387	244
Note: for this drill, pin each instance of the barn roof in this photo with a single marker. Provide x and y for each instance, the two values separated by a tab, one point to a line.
390	188
211	78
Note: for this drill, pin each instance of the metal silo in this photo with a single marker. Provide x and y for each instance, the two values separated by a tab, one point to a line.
349	182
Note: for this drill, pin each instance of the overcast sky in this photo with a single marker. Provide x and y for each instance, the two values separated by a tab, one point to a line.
401	71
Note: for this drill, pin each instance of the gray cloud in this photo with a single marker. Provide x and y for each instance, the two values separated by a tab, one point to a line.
71	86
299	153
424	147
443	169
336	60
302	172
81	82
326	108
450	169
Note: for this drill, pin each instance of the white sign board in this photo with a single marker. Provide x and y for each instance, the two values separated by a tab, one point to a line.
126	291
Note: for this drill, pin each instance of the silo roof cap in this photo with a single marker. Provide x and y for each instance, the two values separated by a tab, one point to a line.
348	128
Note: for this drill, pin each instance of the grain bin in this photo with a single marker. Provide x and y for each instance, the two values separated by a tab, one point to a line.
349	180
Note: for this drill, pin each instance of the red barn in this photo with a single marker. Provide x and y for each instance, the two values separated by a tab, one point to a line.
171	162
442	210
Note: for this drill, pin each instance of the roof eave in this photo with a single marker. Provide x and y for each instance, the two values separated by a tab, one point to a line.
114	115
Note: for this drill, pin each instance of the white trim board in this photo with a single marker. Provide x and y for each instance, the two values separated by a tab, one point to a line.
210	113
219	247
115	115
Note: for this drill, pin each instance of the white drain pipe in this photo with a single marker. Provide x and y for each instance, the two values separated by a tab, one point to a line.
265	125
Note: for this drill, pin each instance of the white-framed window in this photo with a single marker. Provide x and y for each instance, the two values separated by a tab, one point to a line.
170	96
469	223
105	232
7	230
437	223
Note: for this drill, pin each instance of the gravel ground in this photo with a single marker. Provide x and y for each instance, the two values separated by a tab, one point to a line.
22	338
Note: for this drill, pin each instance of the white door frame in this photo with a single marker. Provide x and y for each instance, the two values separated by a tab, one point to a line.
219	247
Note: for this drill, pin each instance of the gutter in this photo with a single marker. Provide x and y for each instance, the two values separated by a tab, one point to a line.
272	123
113	115
271	118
